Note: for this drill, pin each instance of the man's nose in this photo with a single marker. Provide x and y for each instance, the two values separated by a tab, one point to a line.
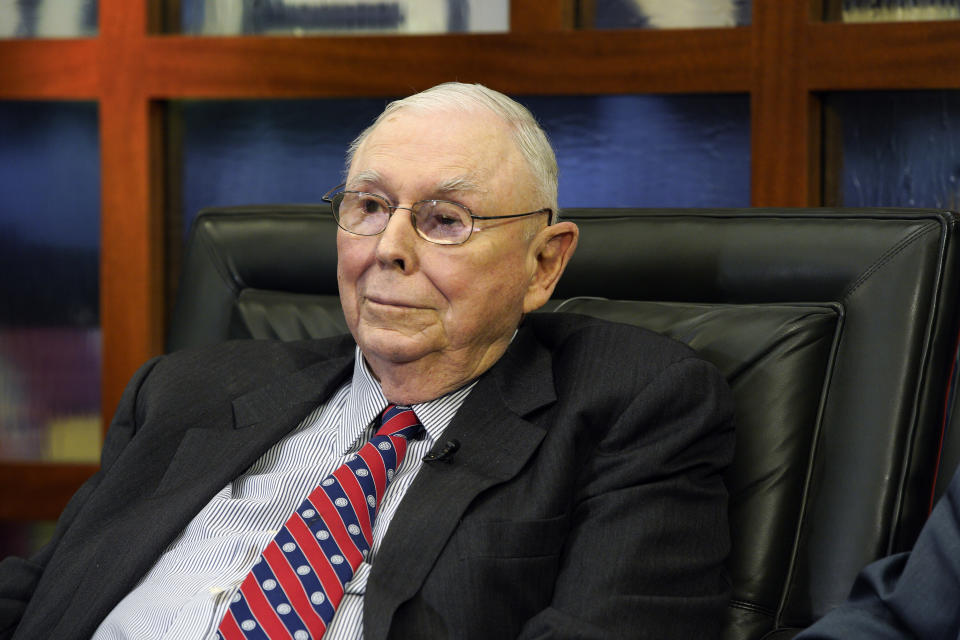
397	243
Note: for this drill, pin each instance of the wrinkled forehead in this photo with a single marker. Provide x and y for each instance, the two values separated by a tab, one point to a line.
455	148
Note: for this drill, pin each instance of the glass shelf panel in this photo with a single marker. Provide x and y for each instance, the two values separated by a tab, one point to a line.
897	148
266	151
891	10
48	18
625	150
323	17
664	14
649	150
900	11
49	255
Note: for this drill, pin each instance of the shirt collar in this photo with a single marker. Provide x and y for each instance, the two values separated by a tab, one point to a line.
366	401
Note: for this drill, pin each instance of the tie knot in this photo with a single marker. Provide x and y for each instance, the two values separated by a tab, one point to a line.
400	420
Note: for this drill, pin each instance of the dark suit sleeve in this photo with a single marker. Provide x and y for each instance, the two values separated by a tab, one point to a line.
19	576
646	555
908	595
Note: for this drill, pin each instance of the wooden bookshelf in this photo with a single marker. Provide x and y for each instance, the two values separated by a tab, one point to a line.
783	60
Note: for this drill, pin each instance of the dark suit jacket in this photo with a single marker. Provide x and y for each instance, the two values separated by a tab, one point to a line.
585	501
908	595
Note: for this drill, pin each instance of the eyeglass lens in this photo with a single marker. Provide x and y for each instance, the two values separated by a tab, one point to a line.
436	220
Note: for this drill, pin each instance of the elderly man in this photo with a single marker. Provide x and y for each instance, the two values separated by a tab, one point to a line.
455	468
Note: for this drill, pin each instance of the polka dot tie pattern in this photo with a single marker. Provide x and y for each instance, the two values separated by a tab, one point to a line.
294	587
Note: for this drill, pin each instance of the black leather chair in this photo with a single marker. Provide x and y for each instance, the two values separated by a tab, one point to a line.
836	329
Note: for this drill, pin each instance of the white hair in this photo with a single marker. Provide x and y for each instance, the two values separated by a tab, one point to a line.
529	137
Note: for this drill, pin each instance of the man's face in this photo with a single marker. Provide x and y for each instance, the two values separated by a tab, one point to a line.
407	300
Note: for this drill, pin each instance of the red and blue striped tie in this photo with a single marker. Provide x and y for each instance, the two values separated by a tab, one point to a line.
297	582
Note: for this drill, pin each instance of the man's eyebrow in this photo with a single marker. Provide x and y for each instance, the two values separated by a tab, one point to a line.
367	177
458	184
371	178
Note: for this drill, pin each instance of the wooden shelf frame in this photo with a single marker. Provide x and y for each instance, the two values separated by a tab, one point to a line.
783	61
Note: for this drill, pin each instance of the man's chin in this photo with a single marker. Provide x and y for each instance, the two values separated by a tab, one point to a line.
394	347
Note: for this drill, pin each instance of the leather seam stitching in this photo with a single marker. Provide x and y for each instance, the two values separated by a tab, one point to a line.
889	255
753	607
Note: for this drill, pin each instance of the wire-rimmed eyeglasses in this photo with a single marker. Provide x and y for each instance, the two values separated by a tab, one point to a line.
437	221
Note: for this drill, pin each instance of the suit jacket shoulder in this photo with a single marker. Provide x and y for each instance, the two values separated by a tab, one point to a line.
612	344
616	361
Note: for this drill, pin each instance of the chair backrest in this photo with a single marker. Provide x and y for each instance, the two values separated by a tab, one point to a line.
835	328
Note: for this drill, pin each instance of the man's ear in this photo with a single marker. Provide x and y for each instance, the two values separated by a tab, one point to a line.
550	251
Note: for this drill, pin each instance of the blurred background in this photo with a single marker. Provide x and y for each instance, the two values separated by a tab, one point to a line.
121	119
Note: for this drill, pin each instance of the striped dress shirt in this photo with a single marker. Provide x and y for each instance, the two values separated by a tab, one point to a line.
188	590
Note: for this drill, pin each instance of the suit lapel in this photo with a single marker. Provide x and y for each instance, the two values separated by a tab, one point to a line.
208	459
205	461
495	443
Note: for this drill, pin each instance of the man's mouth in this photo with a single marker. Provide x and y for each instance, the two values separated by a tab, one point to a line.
390	302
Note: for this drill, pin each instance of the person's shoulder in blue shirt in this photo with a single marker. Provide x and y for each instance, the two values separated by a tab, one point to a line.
908	595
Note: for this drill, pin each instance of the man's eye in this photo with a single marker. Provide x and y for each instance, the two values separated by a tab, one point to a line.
438	220
371	205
